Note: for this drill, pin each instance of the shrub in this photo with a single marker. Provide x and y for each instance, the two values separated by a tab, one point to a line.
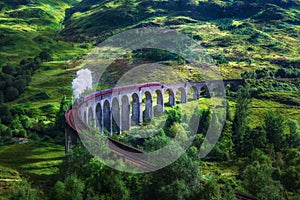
11	93
40	96
47	138
288	72
33	136
23	190
5	114
22	133
1	97
8	69
45	56
220	58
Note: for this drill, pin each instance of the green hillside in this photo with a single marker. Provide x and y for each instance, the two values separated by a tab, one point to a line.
28	27
239	35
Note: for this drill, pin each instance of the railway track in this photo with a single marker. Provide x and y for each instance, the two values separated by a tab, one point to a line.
126	152
245	196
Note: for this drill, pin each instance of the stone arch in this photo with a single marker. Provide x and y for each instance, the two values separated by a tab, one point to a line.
135	114
85	117
193	93
116	116
171	97
181	95
107	116
90	116
125	114
99	116
159	107
204	92
148	106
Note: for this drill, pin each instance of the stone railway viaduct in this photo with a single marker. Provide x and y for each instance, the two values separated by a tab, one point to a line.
119	108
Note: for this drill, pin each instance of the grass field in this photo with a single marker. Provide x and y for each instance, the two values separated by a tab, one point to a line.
224	169
52	78
261	107
38	162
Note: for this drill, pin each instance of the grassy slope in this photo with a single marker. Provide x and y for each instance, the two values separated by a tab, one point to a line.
39	162
269	39
32	159
55	79
27	29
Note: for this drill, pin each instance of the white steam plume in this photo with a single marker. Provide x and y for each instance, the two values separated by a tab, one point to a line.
82	82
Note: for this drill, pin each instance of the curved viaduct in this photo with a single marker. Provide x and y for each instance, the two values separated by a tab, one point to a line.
90	104
119	108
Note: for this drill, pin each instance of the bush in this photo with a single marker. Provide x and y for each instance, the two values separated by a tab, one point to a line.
1	97
220	58
243	29
5	114
45	56
288	72
20	85
250	48
71	188
8	69
59	139
22	133
47	138
23	190
258	74
11	93
40	96
291	178
34	136
5	132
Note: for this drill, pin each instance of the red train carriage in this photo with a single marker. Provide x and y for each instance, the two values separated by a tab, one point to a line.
120	89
